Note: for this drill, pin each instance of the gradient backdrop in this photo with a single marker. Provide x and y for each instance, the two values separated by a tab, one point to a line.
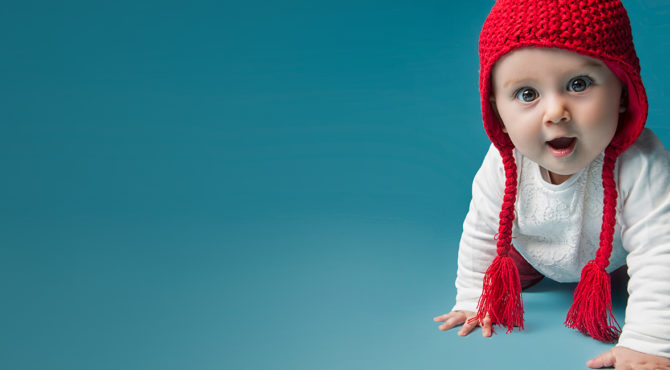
255	185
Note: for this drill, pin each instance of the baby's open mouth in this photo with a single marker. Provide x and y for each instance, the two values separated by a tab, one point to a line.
561	142
562	146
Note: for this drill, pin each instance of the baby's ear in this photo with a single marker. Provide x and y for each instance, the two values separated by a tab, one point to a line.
492	101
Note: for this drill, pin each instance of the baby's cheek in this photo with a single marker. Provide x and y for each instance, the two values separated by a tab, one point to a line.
602	119
603	112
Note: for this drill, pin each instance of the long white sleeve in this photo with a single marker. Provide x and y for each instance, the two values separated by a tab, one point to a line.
645	184
477	247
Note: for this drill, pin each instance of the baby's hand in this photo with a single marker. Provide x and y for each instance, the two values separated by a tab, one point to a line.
455	318
625	358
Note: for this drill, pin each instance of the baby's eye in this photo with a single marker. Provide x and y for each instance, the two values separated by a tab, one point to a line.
526	94
579	84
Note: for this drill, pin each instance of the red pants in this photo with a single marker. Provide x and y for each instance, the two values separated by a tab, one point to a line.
528	274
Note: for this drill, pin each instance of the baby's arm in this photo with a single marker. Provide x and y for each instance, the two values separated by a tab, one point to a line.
645	197
477	247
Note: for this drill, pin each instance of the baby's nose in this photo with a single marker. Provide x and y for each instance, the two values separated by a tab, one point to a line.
556	111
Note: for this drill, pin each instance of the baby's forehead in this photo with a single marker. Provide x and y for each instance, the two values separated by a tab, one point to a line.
540	61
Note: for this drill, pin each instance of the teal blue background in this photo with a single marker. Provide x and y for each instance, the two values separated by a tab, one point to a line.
255	185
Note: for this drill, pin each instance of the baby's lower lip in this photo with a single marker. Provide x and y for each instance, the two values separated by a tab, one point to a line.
563	152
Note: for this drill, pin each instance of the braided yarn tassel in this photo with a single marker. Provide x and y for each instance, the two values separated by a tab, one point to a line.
501	293
591	310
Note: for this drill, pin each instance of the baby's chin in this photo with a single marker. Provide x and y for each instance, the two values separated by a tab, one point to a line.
565	170
569	165
564	166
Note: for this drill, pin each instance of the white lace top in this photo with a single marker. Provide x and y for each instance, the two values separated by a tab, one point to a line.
569	242
557	230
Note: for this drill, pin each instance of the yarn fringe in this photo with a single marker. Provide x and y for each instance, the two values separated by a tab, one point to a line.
591	310
501	294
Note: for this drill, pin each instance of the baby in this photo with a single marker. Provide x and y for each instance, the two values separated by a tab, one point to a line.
573	186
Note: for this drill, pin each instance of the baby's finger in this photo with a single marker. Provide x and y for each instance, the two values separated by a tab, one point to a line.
486	326
606	359
452	321
441	317
467	327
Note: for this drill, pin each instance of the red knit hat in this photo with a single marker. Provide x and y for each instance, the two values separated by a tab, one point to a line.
596	28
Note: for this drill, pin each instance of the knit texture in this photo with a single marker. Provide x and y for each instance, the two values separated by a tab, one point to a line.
596	28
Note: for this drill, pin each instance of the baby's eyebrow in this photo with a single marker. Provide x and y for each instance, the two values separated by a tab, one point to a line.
585	65
516	81
592	64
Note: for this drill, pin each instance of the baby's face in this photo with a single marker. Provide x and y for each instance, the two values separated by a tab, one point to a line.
559	108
